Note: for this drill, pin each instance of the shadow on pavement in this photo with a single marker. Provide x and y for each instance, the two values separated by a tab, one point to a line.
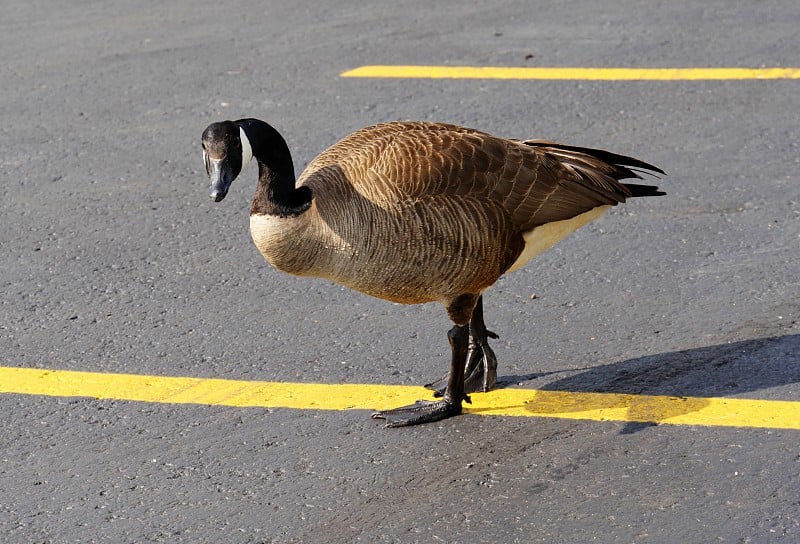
724	370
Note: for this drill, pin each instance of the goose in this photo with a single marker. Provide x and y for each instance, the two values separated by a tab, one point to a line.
415	212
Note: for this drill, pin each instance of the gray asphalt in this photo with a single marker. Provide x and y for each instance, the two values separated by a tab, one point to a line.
114	260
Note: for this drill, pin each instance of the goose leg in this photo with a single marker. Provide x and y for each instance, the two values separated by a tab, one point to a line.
480	377
480	373
425	411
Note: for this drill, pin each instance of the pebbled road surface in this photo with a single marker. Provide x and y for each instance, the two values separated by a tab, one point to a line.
114	260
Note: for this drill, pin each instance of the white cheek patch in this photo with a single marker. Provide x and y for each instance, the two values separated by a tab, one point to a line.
247	150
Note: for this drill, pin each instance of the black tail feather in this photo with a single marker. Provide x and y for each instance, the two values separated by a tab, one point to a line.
643	190
622	165
603	155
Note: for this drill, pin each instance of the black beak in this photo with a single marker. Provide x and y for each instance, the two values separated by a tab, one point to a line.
221	178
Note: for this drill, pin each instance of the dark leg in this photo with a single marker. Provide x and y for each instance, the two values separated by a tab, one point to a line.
425	411
480	373
480	377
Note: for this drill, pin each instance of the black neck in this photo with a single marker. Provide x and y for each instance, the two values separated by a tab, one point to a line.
276	193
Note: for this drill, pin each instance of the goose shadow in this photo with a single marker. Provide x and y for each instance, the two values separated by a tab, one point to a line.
723	370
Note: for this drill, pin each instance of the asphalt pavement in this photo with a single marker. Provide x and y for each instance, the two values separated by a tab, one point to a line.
114	260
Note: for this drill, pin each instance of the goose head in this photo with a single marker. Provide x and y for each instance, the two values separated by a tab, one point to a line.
226	152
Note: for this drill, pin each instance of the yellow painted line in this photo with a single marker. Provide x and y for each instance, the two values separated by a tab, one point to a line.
725	412
607	74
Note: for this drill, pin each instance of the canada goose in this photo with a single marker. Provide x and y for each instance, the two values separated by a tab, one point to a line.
416	212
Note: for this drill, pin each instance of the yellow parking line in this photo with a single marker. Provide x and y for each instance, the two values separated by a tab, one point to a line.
726	412
608	74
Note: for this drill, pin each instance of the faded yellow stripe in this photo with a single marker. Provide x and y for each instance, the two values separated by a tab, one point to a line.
726	412
609	74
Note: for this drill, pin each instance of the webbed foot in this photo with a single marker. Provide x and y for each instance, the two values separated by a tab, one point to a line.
422	411
427	411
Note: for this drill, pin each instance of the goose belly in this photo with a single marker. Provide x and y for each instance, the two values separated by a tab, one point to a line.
413	258
418	273
421	253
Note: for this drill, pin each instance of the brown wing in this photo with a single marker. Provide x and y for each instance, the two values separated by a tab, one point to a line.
535	182
398	159
573	180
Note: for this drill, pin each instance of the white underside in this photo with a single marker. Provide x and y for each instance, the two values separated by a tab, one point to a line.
546	236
